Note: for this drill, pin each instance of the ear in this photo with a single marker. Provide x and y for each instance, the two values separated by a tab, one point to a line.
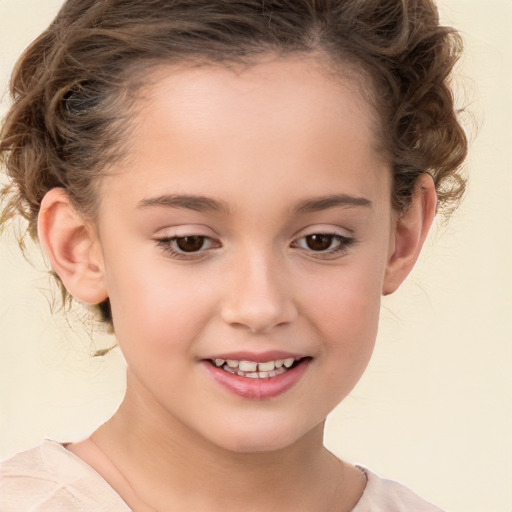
411	229
72	246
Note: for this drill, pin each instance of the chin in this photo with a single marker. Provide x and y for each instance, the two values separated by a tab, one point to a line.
252	445
261	438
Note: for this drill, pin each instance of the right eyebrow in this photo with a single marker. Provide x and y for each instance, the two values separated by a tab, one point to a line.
316	204
188	202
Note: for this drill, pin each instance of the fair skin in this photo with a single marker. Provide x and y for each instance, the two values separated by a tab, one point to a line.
273	171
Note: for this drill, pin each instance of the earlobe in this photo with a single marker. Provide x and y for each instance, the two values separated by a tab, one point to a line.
411	230
72	247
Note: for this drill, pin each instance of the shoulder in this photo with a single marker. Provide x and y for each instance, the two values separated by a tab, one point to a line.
383	495
49	478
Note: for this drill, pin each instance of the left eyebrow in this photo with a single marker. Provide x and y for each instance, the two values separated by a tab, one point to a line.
316	204
187	202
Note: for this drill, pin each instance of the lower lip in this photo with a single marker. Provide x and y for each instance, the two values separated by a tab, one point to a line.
257	389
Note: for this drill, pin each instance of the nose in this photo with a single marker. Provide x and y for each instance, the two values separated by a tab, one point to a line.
259	296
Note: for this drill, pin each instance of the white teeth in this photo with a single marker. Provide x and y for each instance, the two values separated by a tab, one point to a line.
247	366
266	367
273	373
254	370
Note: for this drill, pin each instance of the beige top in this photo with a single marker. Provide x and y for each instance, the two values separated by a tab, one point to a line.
50	478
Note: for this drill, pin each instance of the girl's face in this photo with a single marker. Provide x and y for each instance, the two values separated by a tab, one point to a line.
251	223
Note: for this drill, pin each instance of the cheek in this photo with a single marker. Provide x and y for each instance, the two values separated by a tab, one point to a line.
347	300
159	306
345	311
352	328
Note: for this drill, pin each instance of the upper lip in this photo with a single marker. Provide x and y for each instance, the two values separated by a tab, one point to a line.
257	357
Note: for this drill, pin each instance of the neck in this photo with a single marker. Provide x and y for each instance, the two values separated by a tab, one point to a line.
157	463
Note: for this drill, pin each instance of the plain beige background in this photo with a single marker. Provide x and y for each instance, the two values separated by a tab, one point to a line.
434	409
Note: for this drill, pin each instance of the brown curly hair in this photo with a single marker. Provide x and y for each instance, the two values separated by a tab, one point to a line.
72	88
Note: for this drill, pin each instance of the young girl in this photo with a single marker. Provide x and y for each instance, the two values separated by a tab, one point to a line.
234	185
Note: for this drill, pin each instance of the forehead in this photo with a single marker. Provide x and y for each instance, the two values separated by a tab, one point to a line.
306	87
269	122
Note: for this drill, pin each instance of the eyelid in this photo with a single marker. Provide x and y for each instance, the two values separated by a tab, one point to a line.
165	239
324	229
184	230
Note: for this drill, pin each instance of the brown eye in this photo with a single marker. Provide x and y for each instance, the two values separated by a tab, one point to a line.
324	245
190	247
190	243
320	242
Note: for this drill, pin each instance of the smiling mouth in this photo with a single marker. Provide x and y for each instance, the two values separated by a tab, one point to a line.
253	370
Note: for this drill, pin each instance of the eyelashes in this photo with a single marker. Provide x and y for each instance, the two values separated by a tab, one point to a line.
316	245
187	247
323	243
